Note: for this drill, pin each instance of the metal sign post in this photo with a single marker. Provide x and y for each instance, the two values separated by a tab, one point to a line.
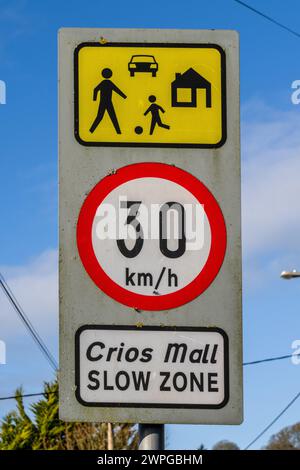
151	436
150	252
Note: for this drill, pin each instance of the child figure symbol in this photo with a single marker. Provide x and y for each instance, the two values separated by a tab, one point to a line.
155	111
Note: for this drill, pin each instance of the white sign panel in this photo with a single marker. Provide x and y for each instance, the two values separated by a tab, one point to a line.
152	367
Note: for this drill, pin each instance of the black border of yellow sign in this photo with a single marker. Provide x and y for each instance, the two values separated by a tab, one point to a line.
139	144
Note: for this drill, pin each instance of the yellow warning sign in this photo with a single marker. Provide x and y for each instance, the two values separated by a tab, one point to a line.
158	95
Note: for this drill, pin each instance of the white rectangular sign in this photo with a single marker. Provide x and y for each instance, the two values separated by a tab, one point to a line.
152	367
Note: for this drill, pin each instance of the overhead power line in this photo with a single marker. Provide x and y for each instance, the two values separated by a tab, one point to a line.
269	359
17	307
28	395
273	421
263	15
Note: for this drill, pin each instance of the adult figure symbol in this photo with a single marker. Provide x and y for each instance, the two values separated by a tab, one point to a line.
106	88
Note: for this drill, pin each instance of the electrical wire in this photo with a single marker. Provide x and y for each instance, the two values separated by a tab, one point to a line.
51	359
28	395
49	356
273	421
260	13
246	448
269	359
53	363
17	307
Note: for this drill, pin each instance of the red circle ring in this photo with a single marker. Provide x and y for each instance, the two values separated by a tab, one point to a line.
114	290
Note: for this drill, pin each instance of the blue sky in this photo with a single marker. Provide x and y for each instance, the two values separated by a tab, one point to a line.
270	186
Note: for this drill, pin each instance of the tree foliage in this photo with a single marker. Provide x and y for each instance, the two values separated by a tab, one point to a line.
225	445
41	429
286	439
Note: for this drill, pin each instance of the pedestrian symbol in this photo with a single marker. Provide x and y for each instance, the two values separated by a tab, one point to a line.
106	89
160	95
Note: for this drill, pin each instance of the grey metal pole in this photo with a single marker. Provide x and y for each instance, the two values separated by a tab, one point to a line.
151	436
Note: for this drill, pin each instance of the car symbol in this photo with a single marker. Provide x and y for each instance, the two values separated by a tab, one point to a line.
143	63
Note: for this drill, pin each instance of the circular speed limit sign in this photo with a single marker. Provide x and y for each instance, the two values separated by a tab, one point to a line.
151	236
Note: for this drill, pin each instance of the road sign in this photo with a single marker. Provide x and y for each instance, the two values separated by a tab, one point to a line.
150	94
150	256
135	206
152	367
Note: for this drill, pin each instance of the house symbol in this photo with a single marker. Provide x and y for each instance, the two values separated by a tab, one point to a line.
184	89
